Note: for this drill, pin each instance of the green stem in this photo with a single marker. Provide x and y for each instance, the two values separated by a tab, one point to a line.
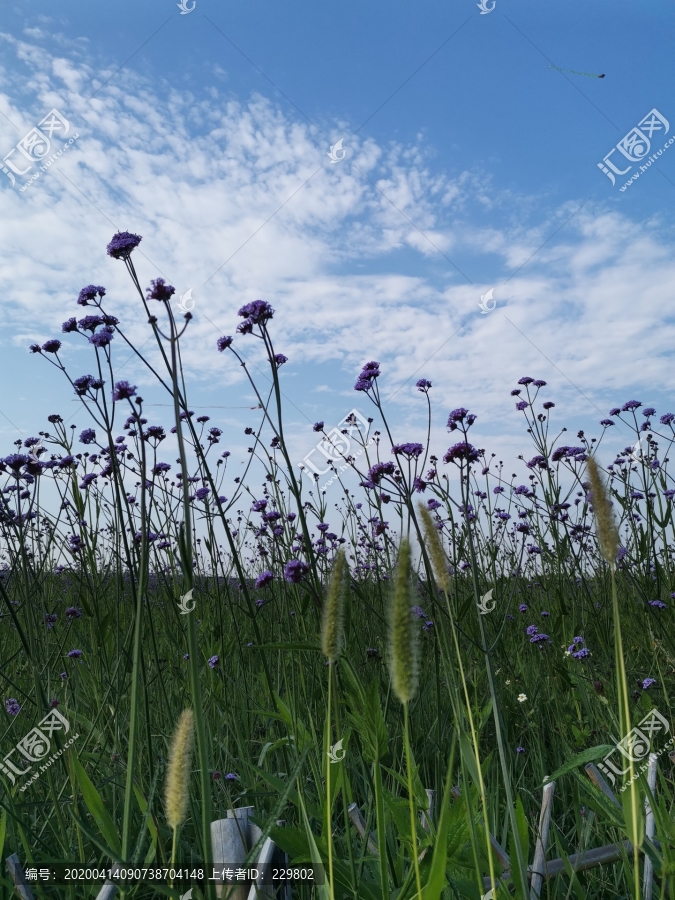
411	801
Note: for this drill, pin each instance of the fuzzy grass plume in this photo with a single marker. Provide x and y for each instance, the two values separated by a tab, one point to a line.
608	536
435	549
177	789
402	635
333	613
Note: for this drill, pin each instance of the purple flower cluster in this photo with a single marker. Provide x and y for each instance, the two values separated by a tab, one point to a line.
256	313
369	373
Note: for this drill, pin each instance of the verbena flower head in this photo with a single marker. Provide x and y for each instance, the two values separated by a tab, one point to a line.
90	292
376	472
318	426
51	346
88	436
423	385
73	613
256	313
368	374
295	570
160	290
647	683
74	654
264	579
280	359
412	451
122	244
223	343
123	391
69	325
102	338
462	451
213	662
657	604
12	706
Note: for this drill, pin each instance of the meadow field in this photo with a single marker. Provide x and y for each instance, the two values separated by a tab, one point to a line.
442	627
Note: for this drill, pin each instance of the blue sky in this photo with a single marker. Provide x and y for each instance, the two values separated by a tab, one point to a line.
470	165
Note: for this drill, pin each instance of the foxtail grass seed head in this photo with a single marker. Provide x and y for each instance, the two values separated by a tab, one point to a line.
435	548
333	612
608	536
177	789
403	634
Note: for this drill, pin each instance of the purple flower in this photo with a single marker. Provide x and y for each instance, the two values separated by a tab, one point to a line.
376	472
224	342
101	338
160	290
607	423
648	411
264	579
531	629
317	426
50	619
213	662
259	505
581	654
231	776
51	346
409	450
361	385
544	613
88	479
12	706
539	383
295	570
463	450
647	683
280	359
525	380
520	749
538	638
258	312
521	405
73	613
122	244
630	405
202	493
538	460
658	604
667	418
69	325
88	436
522	608
457	415
423	385
74	654
123	391
89	293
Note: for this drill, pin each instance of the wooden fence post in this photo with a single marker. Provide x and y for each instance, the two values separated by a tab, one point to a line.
539	863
